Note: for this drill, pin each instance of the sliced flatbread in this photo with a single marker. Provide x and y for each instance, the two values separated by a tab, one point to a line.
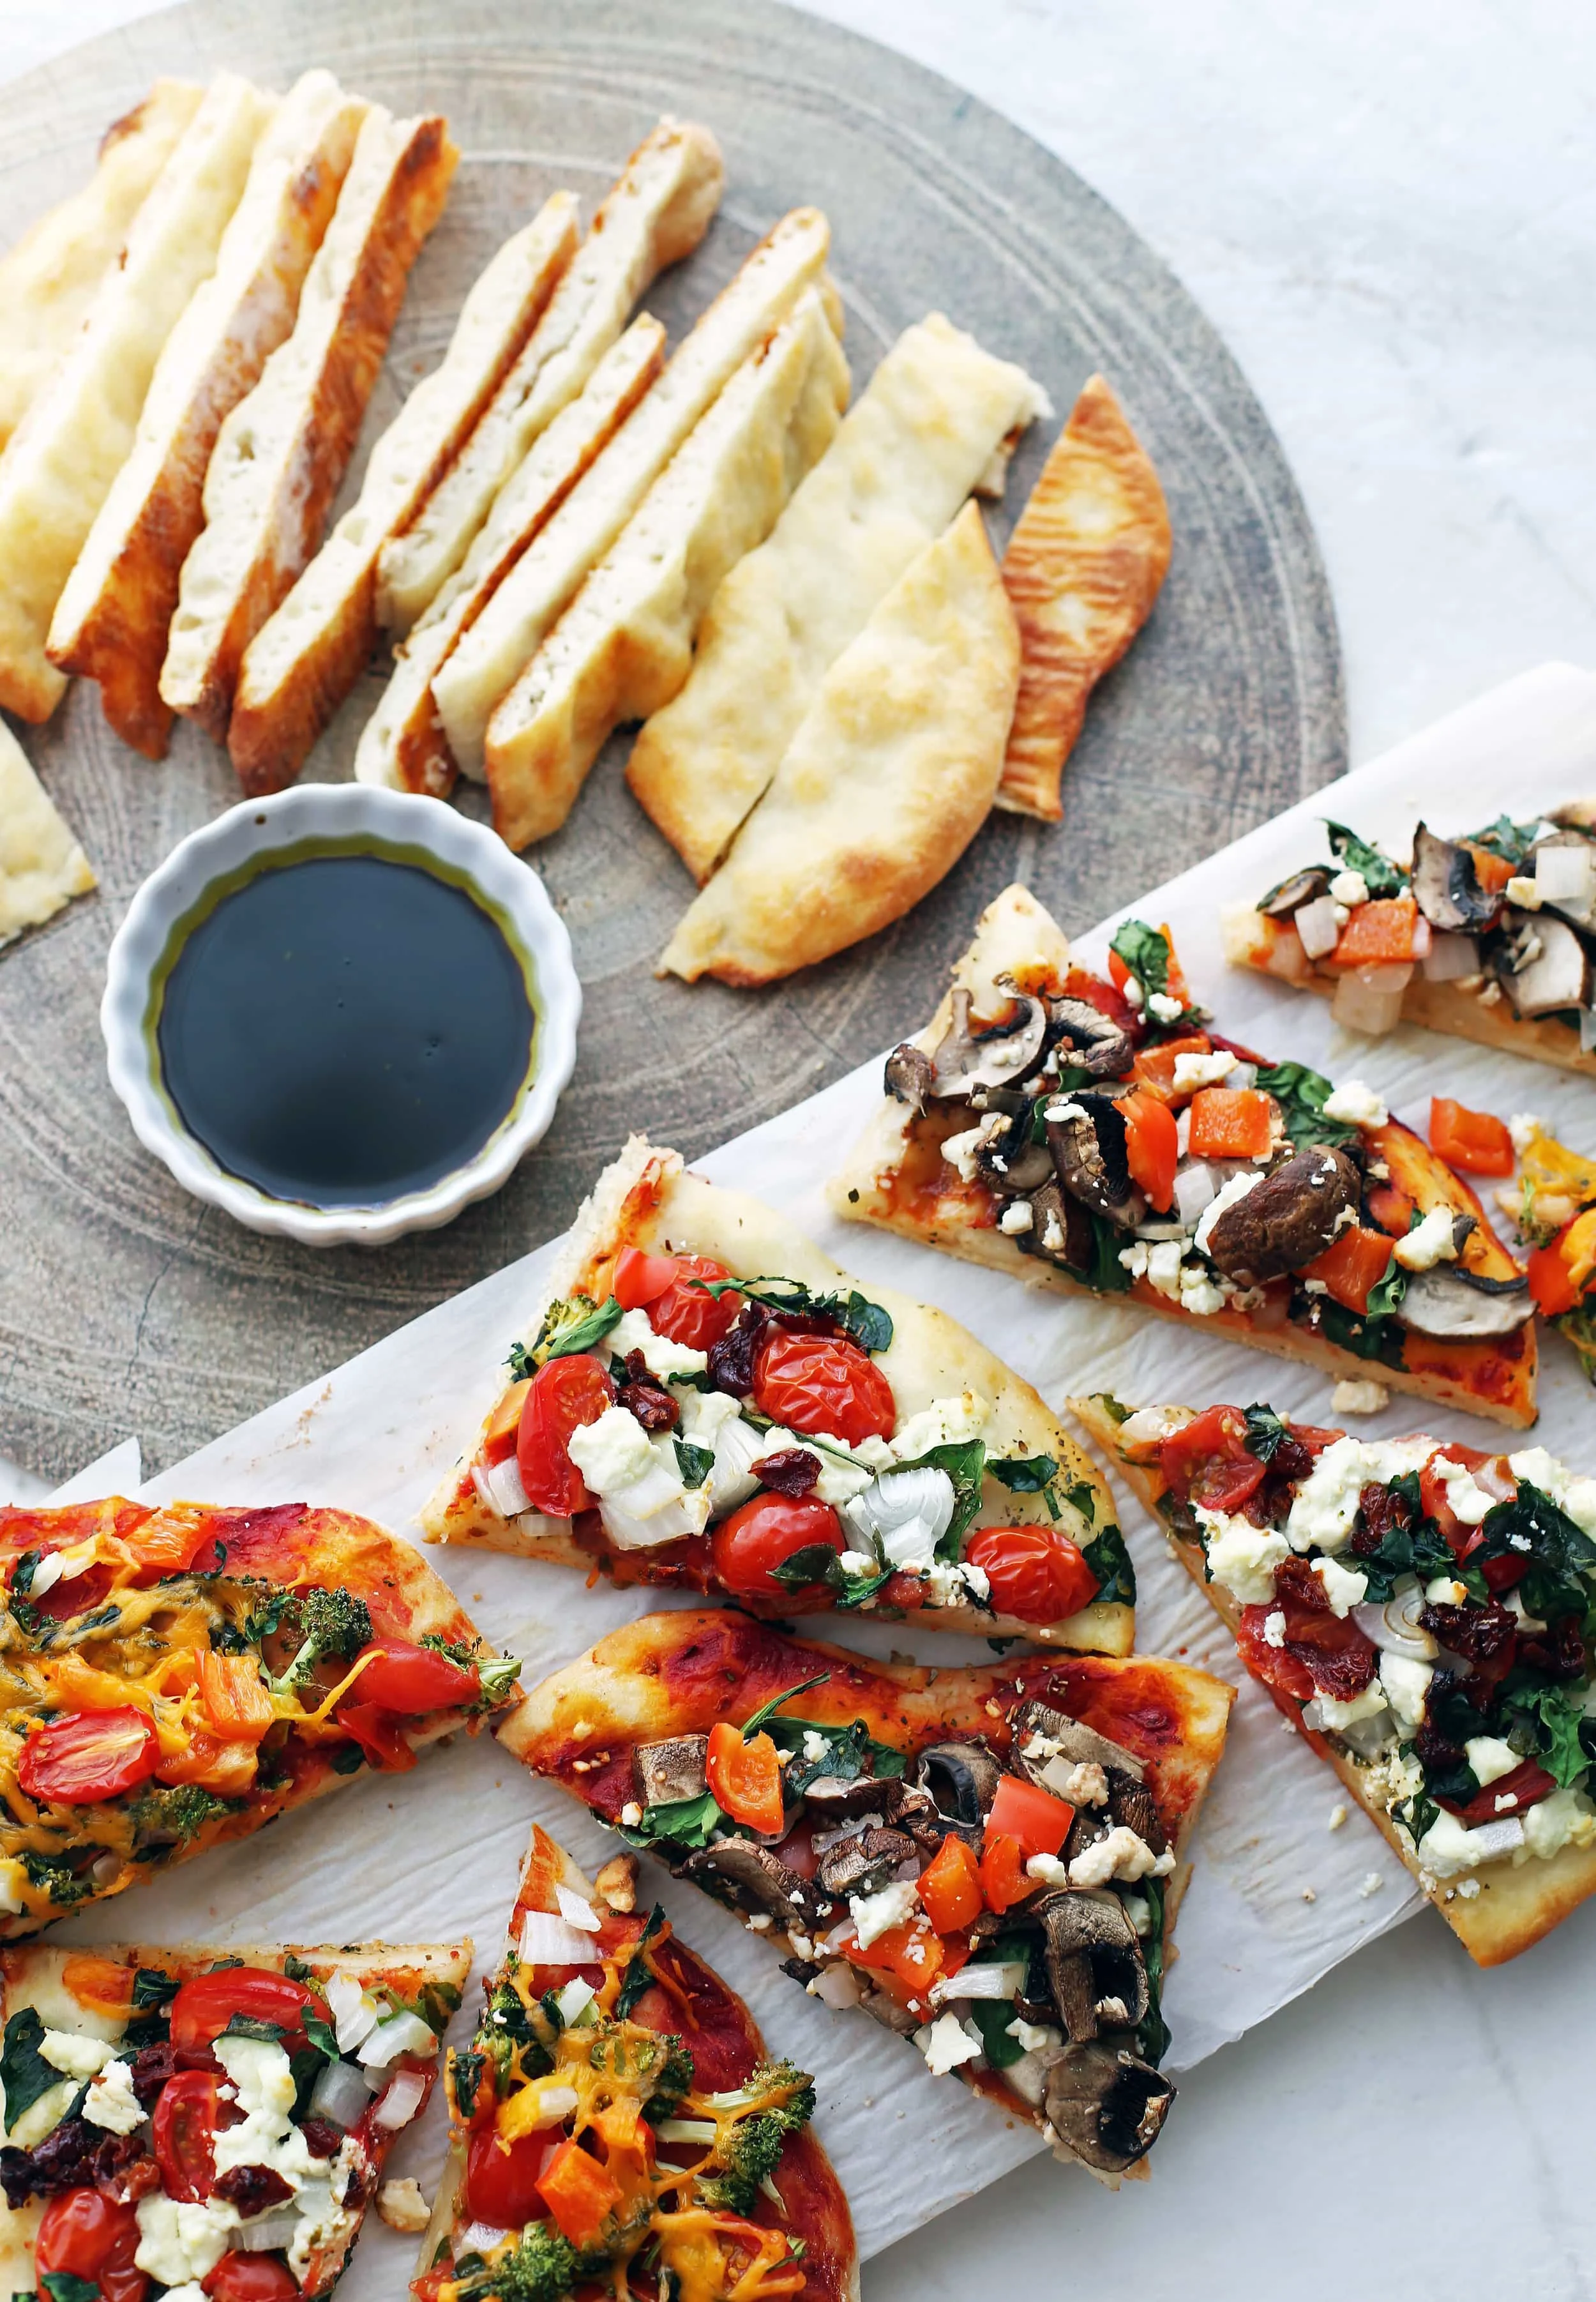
58	468
402	744
1084	566
1125	1749
625	644
42	866
886	782
51	277
944	1389
1458	1330
490	656
113	2012
655	215
280	456
908	454
112	620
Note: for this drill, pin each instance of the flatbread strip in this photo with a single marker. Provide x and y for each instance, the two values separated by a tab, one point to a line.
1514	1907
80	1992
895	1178
280	456
283	1544
524	604
51	277
648	1199
625	644
42	866
673	1674
61	462
402	745
1084	566
654	216
885	784
723	2041
910	452
111	622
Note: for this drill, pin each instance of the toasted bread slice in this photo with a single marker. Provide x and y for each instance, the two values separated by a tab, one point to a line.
58	469
654	216
42	866
281	457
402	745
490	656
111	622
889	777
51	277
624	645
1084	566
921	435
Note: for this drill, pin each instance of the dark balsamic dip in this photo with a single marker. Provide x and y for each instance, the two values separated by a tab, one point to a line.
344	1028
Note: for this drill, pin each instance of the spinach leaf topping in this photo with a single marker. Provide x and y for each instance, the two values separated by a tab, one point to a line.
1380	875
683	1822
696	1463
1509	840
1365	1339
1301	1095
1561	1554
1265	1434
844	1759
1025	1474
1556	1720
573	1323
638	1974
151	1987
24	2072
1153	2032
864	1322
1110	1562
1146	953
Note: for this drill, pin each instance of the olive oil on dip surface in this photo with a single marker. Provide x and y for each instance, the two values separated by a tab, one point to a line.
343	1026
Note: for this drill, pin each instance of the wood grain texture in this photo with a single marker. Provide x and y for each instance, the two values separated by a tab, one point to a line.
126	1306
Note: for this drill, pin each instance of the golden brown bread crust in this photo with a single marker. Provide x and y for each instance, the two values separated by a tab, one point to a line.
1083	568
1515	1906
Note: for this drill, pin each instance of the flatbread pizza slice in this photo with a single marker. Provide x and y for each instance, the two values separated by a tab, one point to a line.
1419	1610
616	2119
42	866
209	2122
1553	1201
1102	1137
706	1402
178	1676
1489	935
988	1859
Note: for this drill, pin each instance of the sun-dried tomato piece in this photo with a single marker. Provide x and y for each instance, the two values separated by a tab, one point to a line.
642	1395
1559	1650
1484	1632
1341	1659
1381	1511
1526	1786
732	1358
1277	1666
790	1471
252	2188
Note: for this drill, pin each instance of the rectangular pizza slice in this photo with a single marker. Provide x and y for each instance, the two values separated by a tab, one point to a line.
1420	1611
988	1859
617	2120
212	2123
178	1676
1489	937
706	1402
1101	1137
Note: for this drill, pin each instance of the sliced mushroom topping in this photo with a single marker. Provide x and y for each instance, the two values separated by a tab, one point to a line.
1287	1220
1105	2107
962	1778
890	2013
1076	1746
1088	1143
1446	884
1094	1965
966	1059
1302	887
756	1876
664	1772
1096	1042
1465	1305
1132	1804
860	1864
910	1075
1008	1159
829	1799
1061	1230
1558	975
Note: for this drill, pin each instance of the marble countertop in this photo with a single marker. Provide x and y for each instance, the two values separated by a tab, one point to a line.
1389	214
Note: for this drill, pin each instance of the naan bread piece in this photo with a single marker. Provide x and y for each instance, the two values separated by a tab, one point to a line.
625	644
280	456
886	783
112	620
909	453
402	745
59	467
51	277
42	866
656	214
1084	566
489	657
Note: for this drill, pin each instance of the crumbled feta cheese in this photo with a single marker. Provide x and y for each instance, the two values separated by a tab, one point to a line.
612	1452
1325	1712
858	1562
1338	1815
1407	1683
110	2102
1223	1199
1490	1759
1163	1269
1467	1888
1122	1853
631	1814
322	2222
1192	1071
1033	2036
946	2044
1048	1868
1275	1629
1354	1104
976	1581
1163	1008
1198	1293
1359	1396
1343	1586
660	1355
1080	1782
874	1915
1053	1232
1467	1499
1325	1505
1445	1591
1429	1242
1372	1883
1563	1818
192	2290
1570	1491
71	2052
1134	1259
1015	1218
402	2206
1348	888
960	1150
1131	992
1449	1845
1523	1127
643	1496
1242	1557
1149	1426
182	2241
945	1423
816	1746
1521	893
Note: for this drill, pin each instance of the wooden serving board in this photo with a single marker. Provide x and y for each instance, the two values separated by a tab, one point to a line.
126	1306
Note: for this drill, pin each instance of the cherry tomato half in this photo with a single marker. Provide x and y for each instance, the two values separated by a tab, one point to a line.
185	2135
252	2278
1207	1461
90	1755
377	1732
663	1286
821	1383
563	1395
207	2003
1037	1575
749	1546
410	1679
91	2237
501	2186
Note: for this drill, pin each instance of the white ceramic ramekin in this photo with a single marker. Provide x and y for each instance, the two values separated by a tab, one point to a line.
310	811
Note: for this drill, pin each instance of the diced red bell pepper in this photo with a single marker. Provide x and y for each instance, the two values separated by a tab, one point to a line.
1025	1811
1231	1122
1475	1142
1378	934
1354	1263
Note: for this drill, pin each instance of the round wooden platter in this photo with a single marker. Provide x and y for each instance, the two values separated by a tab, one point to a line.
126	1306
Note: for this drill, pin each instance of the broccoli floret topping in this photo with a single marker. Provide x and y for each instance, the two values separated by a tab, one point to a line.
171	1814
63	1885
661	2060
497	1673
545	2266
506	2026
325	1622
781	2101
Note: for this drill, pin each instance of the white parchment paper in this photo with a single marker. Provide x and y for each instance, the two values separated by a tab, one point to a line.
1277	1898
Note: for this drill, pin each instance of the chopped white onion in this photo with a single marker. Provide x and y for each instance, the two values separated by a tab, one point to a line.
481	2238
836	1985
904	1513
547	1940
46	1574
1498	1837
738	1446
1363	1003
574	1999
984	1979
403	2099
355	2016
1194	1187
1423	933
553	2105
578	1912
1565	875
1394	1627
340	2093
400	2034
1318	926
267	2231
1450	956
501	1487
1028	2077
